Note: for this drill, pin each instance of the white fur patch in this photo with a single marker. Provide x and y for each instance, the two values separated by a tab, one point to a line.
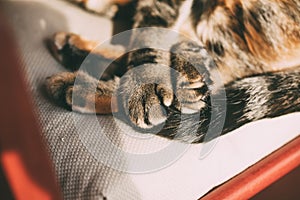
97	5
184	13
183	23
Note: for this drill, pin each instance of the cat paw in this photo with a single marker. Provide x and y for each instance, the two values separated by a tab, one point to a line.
191	63
147	105
82	93
145	93
59	86
72	51
192	93
69	49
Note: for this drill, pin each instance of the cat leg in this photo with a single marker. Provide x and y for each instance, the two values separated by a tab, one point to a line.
71	49
193	81
147	94
88	95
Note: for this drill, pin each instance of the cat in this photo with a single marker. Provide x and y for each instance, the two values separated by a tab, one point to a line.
250	47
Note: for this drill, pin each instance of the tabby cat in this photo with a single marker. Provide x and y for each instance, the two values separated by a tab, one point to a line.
250	46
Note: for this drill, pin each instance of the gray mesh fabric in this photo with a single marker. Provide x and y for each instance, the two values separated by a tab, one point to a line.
80	175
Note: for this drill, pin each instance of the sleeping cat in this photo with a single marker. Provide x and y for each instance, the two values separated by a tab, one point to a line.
251	47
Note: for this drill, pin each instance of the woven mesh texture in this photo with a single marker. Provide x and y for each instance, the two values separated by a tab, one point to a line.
80	175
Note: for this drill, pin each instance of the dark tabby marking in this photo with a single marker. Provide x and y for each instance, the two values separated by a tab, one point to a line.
249	99
253	44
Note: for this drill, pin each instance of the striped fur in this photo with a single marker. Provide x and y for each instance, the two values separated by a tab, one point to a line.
252	45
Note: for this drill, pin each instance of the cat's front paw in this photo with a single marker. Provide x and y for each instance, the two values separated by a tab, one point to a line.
69	49
192	92
145	94
191	63
82	93
147	105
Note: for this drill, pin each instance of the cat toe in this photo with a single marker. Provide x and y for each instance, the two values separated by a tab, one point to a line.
165	93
